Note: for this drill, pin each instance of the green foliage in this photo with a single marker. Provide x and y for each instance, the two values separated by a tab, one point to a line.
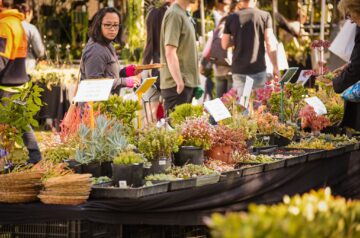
58	154
156	143
248	125
160	177
293	101
316	214
19	110
184	111
190	171
103	143
99	180
128	157
248	158
133	26
335	113
118	108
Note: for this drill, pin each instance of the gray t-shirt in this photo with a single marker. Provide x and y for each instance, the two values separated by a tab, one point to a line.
247	27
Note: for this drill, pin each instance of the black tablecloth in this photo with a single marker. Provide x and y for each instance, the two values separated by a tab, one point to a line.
188	207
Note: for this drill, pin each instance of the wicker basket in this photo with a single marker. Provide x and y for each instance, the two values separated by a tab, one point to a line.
18	197
72	189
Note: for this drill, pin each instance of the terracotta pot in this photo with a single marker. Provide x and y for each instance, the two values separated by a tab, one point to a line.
223	153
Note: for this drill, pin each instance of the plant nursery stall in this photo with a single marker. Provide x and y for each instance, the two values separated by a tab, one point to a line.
100	171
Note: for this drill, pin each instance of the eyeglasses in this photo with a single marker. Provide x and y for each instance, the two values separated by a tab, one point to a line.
109	26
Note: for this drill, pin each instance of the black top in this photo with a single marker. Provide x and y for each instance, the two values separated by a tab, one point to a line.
247	27
347	78
153	27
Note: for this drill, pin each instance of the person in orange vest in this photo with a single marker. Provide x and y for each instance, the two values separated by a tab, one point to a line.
13	52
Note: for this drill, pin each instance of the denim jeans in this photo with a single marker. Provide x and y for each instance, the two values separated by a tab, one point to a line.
28	138
240	79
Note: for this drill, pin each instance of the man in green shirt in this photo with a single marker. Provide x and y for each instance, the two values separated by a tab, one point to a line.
178	51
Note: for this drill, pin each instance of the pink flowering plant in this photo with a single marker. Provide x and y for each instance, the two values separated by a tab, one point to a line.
197	132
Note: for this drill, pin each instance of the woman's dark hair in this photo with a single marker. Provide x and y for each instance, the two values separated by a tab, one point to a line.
95	27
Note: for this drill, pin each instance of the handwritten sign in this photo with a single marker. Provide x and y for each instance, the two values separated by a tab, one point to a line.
93	90
217	109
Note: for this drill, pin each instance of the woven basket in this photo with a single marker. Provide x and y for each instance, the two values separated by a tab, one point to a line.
83	189
66	194
63	200
25	175
17	197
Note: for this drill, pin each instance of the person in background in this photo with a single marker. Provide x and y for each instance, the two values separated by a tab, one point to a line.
221	10
350	73
36	48
250	28
152	54
13	51
99	58
180	76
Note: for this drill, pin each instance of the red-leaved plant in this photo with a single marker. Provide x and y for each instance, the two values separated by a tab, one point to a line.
309	119
264	94
225	136
197	132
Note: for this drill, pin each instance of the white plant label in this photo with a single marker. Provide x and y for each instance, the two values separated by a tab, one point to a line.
245	98
94	90
217	109
317	104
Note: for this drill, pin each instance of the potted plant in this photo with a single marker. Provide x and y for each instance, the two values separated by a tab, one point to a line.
157	145
183	111
225	142
100	146
197	136
309	119
128	166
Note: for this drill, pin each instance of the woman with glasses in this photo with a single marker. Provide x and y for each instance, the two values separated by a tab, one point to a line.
350	73
99	58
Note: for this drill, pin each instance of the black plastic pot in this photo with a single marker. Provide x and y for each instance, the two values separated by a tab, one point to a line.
106	169
74	165
92	168
159	165
132	174
281	141
189	155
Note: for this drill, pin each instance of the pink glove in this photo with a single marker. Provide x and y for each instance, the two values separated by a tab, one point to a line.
131	81
130	70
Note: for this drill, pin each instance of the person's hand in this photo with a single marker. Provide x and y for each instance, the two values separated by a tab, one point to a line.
132	81
180	87
137	80
340	69
276	73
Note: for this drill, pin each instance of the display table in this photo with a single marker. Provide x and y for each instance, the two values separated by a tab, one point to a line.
188	207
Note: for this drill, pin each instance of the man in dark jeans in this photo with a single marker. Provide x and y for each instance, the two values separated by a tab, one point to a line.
13	51
180	76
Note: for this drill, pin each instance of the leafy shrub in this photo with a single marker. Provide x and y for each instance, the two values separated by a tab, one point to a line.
197	132
128	157
184	111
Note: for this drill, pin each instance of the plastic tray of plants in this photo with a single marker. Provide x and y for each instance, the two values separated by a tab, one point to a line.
100	191
257	163
298	155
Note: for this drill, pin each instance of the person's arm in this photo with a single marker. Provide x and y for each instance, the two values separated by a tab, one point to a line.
6	42
174	67
271	49
36	43
351	73
226	41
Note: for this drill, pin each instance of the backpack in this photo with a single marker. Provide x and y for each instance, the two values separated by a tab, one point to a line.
217	54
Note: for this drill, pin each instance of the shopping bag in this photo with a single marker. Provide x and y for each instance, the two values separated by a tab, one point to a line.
352	94
344	42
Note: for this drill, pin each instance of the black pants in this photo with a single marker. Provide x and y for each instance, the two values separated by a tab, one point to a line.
172	98
28	137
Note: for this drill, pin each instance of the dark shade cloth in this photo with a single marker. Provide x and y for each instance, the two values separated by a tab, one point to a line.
188	207
247	27
347	78
56	102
